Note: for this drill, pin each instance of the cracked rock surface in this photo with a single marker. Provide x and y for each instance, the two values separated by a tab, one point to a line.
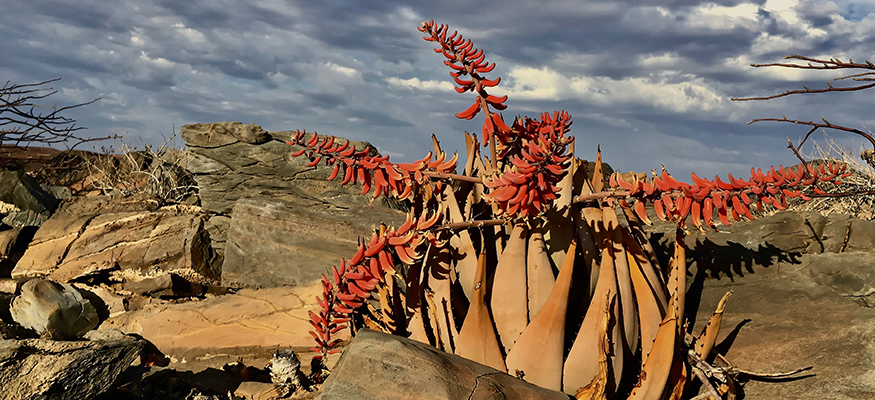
47	369
249	318
132	237
288	223
234	161
377	365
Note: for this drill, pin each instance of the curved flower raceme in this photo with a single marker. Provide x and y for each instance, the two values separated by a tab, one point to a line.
386	178
360	276
524	130
467	61
674	200
537	155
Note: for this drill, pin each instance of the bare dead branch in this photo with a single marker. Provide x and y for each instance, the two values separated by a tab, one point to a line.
705	382
601	195
799	156
807	90
816	125
22	121
825	65
471	224
445	175
763	375
855	75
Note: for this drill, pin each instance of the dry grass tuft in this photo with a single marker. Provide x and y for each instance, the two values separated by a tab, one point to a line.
861	179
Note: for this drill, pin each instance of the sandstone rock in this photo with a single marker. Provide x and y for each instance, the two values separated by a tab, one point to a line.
13	243
9	285
255	390
24	192
845	233
217	226
219	134
785	232
230	164
107	302
791	314
59	192
44	369
262	318
9	329
96	235
382	366
167	285
8	238
850	274
167	383
20	219
53	308
274	243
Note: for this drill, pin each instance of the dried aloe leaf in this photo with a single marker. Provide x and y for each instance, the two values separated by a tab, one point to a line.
651	274
436	284
539	272
466	255
477	339
625	299
654	374
598	177
509	303
708	337
677	276
539	351
559	226
596	389
582	363
649	315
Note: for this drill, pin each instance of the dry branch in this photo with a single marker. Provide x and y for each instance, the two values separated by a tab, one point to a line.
23	123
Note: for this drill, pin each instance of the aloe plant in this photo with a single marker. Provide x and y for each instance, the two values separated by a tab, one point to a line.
473	269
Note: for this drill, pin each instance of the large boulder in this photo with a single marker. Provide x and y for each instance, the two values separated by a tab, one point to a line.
233	161
54	309
274	243
134	238
18	188
43	369
386	367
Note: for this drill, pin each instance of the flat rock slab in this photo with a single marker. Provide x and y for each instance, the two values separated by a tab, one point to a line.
96	235
250	318
787	314
46	369
274	243
386	367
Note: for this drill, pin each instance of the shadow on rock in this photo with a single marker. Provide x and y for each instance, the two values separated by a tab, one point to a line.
709	259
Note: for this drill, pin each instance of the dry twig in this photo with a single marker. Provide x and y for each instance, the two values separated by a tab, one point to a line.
21	122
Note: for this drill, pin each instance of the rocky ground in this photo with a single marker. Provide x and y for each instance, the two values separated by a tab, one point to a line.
204	293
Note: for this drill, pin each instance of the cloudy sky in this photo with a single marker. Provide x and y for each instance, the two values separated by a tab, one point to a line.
649	81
